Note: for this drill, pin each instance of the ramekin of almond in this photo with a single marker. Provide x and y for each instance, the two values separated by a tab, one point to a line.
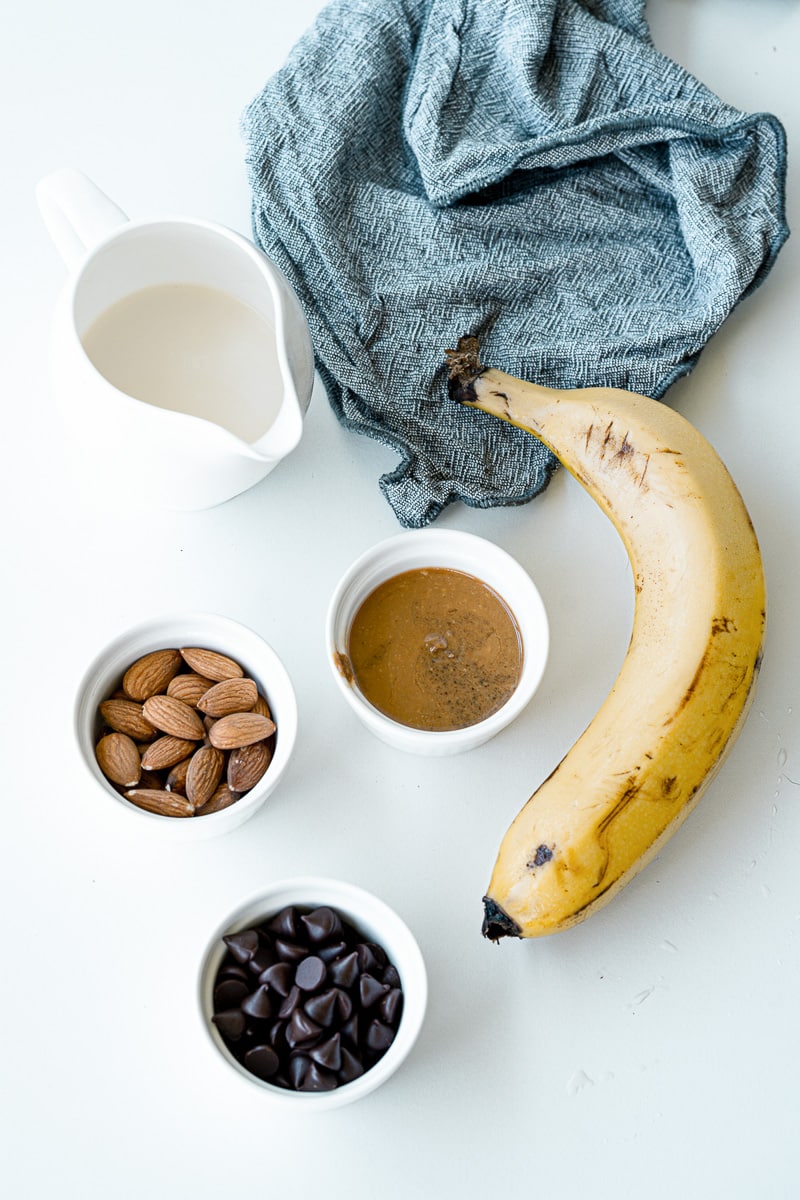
188	722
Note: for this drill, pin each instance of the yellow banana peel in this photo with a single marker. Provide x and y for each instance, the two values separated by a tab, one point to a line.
687	680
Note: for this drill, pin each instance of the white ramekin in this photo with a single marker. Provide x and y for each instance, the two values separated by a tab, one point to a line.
458	551
212	632
370	917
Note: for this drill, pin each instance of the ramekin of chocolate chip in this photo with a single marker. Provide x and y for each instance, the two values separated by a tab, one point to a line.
314	991
187	716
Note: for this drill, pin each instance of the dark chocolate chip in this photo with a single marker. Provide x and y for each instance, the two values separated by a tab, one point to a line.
366	959
278	977
344	1005
371	958
232	970
328	1054
319	1080
379	1036
370	990
322	1008
277	1035
262	1061
328	954
242	945
380	954
285	923
258	1004
231	1024
310	973
391	976
289	951
390	1006
229	994
322	924
264	957
350	1029
291	1002
344	972
351	1067
301	1029
298	1069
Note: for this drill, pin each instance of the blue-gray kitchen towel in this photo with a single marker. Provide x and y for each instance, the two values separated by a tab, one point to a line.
531	171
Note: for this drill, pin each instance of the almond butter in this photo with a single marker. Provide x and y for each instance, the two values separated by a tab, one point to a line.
166	752
211	664
223	798
229	696
240	729
165	804
151	673
189	687
118	759
247	765
125	716
205	771
173	716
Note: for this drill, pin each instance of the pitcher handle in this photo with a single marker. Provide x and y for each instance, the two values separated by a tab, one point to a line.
76	214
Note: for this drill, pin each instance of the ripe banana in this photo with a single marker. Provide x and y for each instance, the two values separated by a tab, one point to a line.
687	679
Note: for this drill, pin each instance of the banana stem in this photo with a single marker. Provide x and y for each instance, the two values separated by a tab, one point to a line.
465	367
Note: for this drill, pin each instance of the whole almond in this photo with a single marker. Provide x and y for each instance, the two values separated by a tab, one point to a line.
247	765
176	779
166	752
125	716
223	798
173	716
261	707
151	673
118	759
229	696
189	687
205	771
166	804
240	729
211	664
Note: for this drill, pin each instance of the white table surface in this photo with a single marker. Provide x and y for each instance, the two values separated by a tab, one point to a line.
651	1051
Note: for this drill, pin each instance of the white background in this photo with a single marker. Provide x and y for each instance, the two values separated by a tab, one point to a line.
652	1050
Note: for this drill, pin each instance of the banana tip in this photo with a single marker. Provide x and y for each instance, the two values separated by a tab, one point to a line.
496	923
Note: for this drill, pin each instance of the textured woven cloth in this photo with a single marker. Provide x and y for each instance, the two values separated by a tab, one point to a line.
531	171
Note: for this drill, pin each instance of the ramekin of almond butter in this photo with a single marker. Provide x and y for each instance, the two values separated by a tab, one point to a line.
187	722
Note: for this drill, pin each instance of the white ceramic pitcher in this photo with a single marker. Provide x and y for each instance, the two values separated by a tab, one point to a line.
150	455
